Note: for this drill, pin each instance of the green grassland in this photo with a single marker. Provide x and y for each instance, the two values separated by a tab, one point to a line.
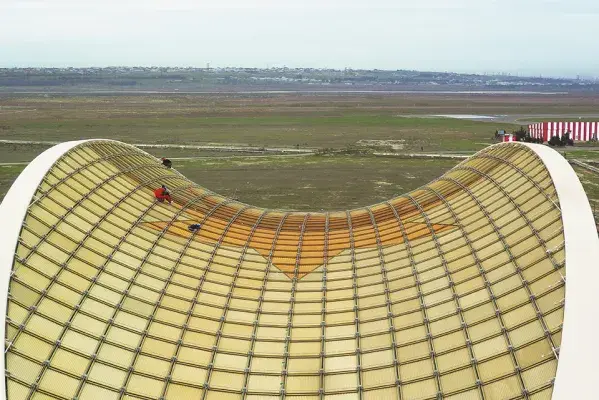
300	183
20	153
434	134
579	152
590	182
23	153
313	182
308	120
340	123
8	173
563	119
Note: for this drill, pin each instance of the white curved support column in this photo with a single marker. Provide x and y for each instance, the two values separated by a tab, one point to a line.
576	370
12	214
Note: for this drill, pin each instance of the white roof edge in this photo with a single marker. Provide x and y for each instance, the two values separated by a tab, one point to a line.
576	376
12	214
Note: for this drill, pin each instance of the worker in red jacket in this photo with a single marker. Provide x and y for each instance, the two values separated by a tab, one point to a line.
162	194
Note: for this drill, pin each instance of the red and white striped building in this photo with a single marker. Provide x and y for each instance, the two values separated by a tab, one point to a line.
579	131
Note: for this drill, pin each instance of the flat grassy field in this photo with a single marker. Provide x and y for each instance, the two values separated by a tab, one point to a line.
580	153
307	120
313	182
300	183
23	153
8	173
590	182
346	122
562	119
428	134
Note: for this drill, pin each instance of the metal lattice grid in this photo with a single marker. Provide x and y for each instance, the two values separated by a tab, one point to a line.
455	289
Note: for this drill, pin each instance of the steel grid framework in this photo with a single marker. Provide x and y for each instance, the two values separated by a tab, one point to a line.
455	290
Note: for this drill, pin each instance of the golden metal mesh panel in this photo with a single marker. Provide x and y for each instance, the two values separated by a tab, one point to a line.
453	290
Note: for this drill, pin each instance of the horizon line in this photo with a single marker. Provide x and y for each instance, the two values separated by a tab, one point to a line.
208	67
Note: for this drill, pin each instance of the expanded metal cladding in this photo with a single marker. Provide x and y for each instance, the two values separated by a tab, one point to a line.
455	290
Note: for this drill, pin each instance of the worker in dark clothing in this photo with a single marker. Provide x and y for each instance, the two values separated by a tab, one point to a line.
166	162
163	194
194	227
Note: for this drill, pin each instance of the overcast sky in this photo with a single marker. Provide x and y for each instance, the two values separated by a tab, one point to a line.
532	37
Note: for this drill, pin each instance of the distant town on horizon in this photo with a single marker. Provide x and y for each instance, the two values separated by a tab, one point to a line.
155	78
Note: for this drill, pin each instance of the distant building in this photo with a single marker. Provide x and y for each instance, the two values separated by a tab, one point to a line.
579	131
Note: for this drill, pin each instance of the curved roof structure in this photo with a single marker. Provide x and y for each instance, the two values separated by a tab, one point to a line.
455	290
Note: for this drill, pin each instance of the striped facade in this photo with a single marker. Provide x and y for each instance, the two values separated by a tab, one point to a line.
579	131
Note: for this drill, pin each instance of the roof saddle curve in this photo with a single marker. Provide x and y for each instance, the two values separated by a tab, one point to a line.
456	290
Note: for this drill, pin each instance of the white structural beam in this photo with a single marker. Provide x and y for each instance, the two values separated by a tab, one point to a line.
12	214
579	353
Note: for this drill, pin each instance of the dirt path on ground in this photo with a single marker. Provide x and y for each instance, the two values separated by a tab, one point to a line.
450	156
585	166
224	148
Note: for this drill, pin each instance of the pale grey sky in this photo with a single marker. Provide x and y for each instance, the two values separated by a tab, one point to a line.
549	37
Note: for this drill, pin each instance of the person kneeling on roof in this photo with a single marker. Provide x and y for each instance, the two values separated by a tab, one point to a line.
194	227
166	162
162	194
